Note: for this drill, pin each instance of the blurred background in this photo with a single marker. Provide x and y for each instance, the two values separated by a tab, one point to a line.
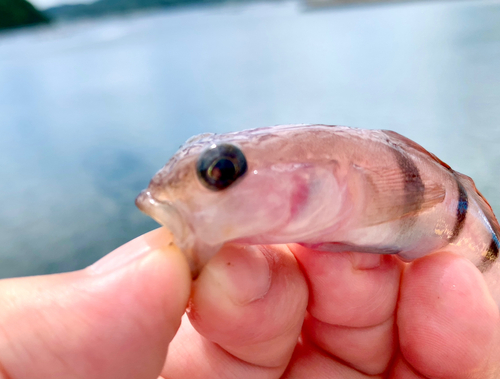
95	98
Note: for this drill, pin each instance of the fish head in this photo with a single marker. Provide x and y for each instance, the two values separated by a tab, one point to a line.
220	188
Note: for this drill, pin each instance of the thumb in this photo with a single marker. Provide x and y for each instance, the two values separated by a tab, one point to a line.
114	319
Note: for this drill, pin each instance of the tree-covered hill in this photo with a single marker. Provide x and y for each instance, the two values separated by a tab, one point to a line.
14	13
102	7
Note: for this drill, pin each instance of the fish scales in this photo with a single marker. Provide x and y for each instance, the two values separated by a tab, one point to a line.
331	188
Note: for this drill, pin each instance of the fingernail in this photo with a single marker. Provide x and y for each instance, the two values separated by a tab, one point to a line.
241	272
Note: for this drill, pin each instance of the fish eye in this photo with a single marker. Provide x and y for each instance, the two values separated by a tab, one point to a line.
220	166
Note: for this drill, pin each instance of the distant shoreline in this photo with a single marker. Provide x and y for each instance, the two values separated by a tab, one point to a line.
334	3
109	7
19	13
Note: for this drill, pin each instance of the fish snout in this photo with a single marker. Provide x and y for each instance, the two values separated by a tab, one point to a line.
145	201
165	213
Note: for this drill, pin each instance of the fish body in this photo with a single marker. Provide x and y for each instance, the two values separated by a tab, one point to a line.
330	188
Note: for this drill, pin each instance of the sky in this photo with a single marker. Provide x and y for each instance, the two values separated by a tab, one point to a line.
44	4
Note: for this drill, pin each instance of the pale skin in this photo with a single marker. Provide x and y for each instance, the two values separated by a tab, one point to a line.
357	315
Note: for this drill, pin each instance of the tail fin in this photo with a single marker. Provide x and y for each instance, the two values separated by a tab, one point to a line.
493	249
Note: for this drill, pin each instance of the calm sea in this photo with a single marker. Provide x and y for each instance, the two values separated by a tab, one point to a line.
90	110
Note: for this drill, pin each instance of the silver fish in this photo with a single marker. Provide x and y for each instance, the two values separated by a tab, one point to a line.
330	188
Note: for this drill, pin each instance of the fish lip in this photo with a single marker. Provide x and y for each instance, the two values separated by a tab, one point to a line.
166	214
144	198
147	203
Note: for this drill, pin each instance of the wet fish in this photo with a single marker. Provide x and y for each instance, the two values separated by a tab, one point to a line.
330	188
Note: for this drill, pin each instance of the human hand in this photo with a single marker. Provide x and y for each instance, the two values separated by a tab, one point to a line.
113	320
359	316
116	318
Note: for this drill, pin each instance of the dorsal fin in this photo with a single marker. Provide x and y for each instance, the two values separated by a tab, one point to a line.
408	142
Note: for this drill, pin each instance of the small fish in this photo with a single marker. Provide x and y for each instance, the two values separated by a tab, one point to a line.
330	188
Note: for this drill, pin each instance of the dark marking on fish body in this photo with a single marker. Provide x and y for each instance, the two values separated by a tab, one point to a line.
491	254
462	207
413	185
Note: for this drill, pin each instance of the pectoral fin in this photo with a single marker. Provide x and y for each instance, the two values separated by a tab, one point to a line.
397	196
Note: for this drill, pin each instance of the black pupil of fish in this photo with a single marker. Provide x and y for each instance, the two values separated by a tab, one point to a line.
220	166
223	170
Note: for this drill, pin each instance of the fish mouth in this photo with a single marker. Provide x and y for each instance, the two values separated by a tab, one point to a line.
166	214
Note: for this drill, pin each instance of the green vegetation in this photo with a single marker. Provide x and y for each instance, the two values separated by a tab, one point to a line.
102	7
14	13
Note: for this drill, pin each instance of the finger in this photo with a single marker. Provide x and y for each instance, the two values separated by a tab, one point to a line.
449	325
402	370
111	320
352	304
313	363
247	307
368	349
